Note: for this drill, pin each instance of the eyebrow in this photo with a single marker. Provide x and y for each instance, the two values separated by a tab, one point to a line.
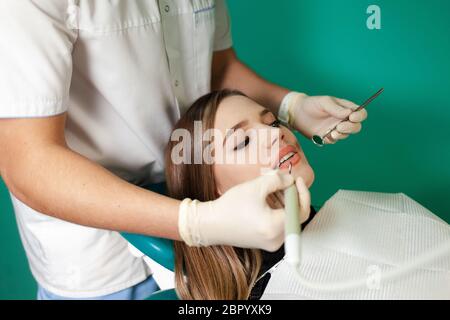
241	124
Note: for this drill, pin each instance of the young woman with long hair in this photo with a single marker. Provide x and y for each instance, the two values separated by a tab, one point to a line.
224	272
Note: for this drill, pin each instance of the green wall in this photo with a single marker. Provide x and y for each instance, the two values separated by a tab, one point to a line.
324	47
16	281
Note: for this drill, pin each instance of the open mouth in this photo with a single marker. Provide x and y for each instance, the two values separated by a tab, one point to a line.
287	155
286	158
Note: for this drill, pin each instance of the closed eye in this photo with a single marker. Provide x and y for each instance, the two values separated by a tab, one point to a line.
276	124
242	144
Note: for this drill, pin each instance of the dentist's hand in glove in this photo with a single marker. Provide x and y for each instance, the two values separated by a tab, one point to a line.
315	115
241	217
276	200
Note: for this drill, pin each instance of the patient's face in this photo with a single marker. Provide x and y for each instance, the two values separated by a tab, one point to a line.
259	132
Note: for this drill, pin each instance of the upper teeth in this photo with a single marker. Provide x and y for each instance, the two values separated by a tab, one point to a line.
286	158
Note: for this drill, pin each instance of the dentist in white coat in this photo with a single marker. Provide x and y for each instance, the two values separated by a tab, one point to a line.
89	93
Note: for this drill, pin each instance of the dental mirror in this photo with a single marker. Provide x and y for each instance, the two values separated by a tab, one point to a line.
320	140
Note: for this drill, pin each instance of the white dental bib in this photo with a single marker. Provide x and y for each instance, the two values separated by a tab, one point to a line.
360	235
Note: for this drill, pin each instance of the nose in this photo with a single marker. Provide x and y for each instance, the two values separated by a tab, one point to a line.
270	145
275	137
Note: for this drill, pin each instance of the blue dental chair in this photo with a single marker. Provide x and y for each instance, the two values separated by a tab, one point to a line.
158	249
161	251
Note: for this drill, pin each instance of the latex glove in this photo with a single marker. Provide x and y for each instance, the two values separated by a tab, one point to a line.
241	217
304	197
315	115
276	199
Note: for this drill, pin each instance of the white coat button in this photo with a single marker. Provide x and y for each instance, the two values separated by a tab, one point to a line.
166	8
176	83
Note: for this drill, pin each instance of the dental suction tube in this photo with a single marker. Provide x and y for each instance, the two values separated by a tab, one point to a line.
292	226
293	254
391	275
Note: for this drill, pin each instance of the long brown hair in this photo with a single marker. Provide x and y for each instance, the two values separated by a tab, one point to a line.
215	272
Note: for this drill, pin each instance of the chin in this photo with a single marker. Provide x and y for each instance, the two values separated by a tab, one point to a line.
307	174
310	182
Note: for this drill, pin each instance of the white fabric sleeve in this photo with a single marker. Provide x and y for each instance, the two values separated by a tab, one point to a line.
35	57
222	35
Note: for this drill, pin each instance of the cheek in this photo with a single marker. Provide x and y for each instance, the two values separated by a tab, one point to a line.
306	172
290	137
230	175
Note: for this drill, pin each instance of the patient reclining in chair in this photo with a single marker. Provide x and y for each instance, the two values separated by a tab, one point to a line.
355	233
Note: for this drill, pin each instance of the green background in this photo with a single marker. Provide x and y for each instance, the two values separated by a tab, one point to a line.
323	47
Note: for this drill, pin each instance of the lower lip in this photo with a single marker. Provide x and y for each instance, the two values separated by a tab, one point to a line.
294	160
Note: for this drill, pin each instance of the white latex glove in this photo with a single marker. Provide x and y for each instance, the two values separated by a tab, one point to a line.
315	115
241	217
304	199
276	199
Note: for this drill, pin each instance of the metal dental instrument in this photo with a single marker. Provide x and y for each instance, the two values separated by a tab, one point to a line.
292	224
319	140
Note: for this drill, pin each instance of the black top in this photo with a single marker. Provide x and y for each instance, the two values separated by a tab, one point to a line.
269	259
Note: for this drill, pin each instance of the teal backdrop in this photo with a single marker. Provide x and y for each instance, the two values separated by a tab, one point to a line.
323	47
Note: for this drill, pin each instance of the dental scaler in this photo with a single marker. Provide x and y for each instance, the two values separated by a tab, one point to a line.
292	224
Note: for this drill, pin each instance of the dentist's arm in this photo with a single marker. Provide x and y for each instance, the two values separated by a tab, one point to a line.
43	172
229	72
308	114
